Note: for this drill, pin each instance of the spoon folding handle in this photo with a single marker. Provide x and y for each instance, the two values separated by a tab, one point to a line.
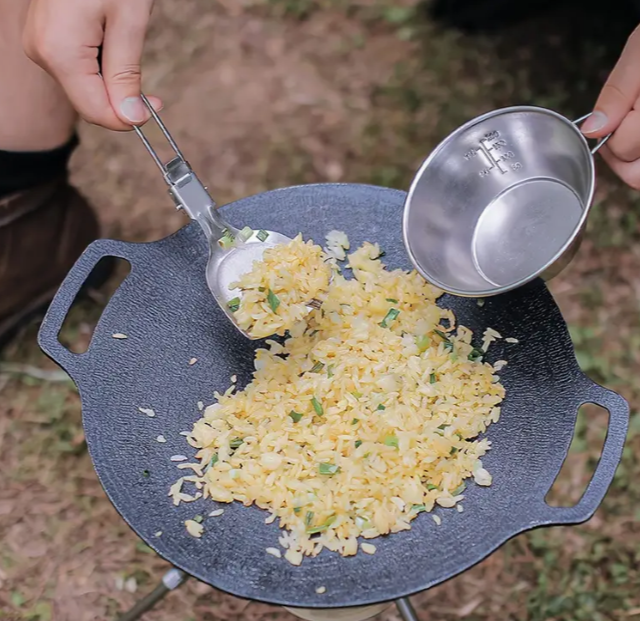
186	190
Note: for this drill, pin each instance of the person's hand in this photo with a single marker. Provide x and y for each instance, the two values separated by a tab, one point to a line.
618	110
64	37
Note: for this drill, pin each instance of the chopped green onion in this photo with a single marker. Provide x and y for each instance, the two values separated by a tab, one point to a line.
245	233
198	518
431	486
480	302
328	469
296	417
317	367
381	407
392	300
273	300
476	355
233	305
453	450
261	289
317	406
392	315
358	443
308	518
442	335
297	510
236	443
454	355
432	378
330	371
458	490
366	455
146	474
262	235
443	426
227	239
418	508
356	394
448	346
422	342
318	529
214	460
391	441
355	421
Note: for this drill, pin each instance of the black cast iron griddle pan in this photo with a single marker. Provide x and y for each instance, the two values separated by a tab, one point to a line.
166	310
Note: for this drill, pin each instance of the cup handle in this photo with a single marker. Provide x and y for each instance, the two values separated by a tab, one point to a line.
597	147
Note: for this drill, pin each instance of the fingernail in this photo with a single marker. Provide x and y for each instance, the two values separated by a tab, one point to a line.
133	109
594	123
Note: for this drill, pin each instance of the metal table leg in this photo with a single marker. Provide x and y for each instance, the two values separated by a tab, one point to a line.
170	581
406	610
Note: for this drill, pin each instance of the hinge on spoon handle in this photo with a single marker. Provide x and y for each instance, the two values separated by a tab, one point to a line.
186	190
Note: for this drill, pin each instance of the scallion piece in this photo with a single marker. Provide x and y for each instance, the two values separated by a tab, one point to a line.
214	460
392	300
355	421
226	241
356	394
146	474
381	407
392	315
480	302
476	355
328	469
308	518
198	518
448	346
391	441
330	371
322	527
431	486
296	417
422	343
432	378
317	367
442	335
273	300
297	510
236	443
458	490
233	305
418	508
245	233
262	235
317	406
358	443
453	450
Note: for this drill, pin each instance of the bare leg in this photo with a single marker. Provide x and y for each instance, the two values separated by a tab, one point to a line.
35	114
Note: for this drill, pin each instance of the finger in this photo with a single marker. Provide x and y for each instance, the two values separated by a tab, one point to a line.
87	91
629	172
625	142
619	93
125	31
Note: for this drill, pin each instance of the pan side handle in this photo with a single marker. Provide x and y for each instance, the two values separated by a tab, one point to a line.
67	293
610	458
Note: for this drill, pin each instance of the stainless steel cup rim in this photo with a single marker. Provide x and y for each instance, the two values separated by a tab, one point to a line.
434	280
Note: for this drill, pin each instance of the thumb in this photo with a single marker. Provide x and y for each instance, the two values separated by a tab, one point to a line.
124	34
619	93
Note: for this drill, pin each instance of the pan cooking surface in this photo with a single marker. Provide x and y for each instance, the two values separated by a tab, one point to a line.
166	311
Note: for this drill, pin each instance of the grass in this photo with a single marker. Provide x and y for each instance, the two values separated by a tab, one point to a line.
438	79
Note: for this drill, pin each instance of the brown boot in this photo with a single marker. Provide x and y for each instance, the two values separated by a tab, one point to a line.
42	233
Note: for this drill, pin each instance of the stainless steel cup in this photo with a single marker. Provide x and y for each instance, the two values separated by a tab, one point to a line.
503	200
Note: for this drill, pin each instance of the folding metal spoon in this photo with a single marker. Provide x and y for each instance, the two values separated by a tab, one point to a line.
231	253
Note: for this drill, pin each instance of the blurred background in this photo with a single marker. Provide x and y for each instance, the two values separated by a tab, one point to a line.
268	93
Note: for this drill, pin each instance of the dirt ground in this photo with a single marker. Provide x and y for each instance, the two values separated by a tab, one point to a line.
267	93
